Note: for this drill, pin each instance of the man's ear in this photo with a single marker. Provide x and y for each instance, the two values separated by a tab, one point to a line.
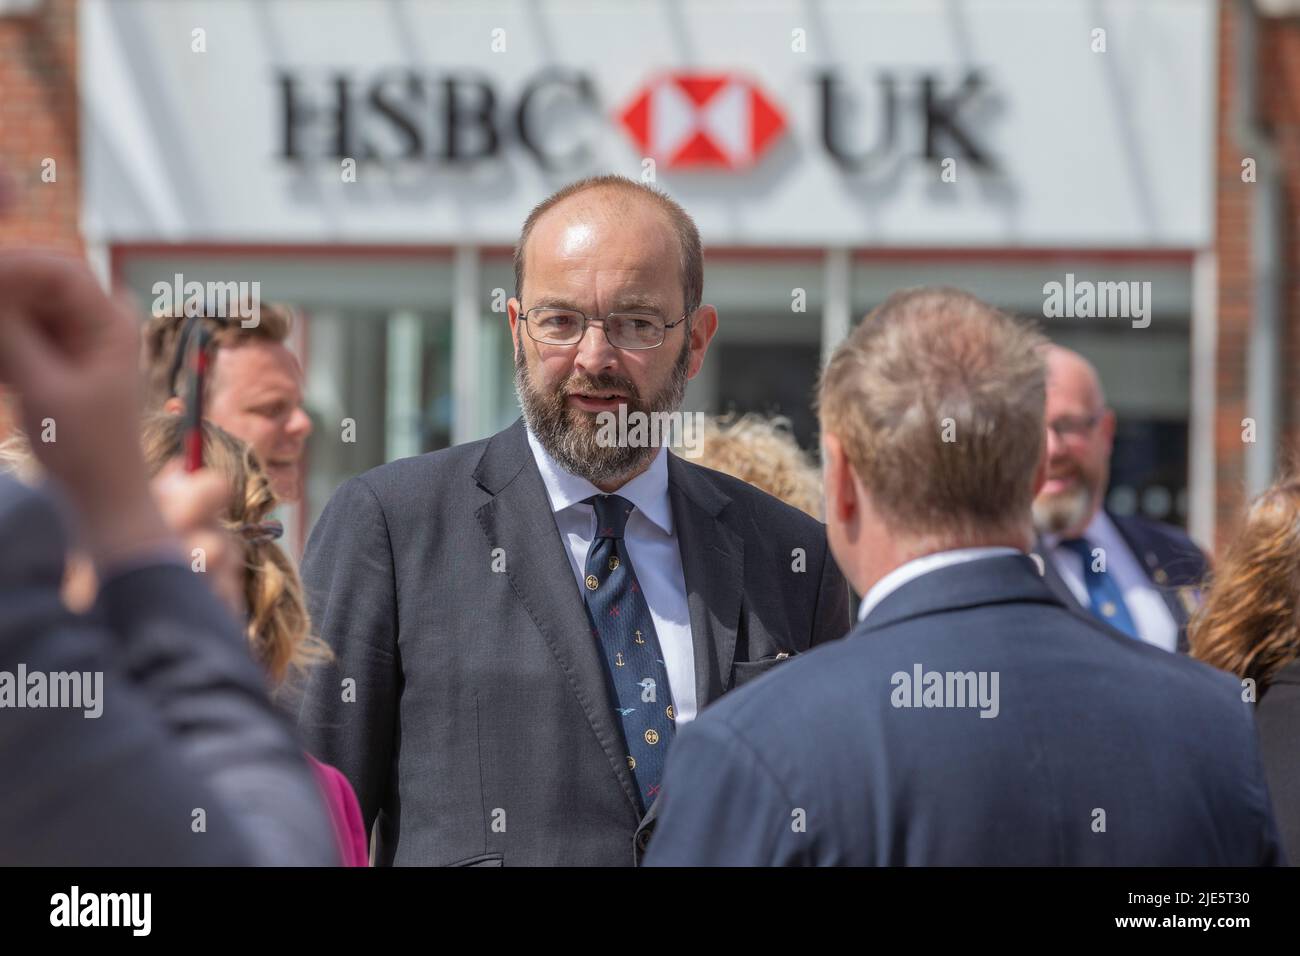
704	325
841	490
1040	473
174	406
512	311
1108	428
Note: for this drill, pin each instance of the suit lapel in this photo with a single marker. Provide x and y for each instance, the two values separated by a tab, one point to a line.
713	564
1150	563
519	520
1180	600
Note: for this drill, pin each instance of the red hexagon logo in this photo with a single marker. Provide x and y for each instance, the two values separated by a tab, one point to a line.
703	121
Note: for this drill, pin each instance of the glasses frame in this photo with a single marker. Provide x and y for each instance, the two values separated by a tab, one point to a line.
587	322
1089	423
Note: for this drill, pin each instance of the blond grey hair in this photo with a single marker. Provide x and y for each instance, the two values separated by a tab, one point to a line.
763	452
938	400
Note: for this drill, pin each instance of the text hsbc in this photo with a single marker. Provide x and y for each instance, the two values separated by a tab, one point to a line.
556	117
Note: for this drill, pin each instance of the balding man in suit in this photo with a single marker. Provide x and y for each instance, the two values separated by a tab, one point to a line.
522	624
1139	576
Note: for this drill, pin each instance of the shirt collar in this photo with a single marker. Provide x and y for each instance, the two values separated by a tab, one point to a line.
896	578
648	491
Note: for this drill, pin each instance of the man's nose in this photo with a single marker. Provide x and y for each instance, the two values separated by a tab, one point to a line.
594	353
1055	447
299	423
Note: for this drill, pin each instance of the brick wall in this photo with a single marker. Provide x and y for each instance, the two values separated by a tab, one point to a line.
38	120
1232	243
1278	70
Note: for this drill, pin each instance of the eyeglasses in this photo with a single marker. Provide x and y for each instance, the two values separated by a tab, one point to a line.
1074	426
623	330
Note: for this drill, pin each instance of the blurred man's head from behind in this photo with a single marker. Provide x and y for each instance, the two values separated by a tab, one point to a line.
600	246
1080	436
932	432
254	389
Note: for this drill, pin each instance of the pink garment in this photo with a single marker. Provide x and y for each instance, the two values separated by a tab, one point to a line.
345	813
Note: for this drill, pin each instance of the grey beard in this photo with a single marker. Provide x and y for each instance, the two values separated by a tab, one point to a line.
570	435
1058	514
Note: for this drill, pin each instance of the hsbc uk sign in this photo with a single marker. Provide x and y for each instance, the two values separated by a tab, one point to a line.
691	121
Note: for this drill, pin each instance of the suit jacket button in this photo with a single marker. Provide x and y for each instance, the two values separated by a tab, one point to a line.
642	839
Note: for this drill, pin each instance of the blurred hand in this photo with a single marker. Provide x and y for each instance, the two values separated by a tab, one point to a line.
72	356
191	505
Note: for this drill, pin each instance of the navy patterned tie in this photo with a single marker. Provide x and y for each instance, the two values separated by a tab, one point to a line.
1105	600
622	624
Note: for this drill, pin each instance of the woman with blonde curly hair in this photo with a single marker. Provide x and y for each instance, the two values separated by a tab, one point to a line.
278	628
1249	625
763	452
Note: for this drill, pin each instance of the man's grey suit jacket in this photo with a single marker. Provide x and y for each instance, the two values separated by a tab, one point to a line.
468	703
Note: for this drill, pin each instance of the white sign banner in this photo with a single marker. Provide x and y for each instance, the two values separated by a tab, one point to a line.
916	123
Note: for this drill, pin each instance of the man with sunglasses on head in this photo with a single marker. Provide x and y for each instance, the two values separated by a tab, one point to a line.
522	623
1139	576
254	388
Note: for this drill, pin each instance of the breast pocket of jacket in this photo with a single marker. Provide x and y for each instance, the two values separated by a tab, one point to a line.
482	859
742	672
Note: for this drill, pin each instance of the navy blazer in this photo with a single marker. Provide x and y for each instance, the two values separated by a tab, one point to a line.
1090	749
1278	717
1173	563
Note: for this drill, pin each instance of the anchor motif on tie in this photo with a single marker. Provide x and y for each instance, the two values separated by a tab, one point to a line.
639	638
618	659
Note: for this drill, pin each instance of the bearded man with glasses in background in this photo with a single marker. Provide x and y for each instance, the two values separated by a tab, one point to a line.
521	624
1141	577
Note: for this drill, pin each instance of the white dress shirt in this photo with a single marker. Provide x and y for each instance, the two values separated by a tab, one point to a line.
1150	613
913	569
652	546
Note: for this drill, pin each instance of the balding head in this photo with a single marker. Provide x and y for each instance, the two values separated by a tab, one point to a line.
614	200
1080	435
1069	372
